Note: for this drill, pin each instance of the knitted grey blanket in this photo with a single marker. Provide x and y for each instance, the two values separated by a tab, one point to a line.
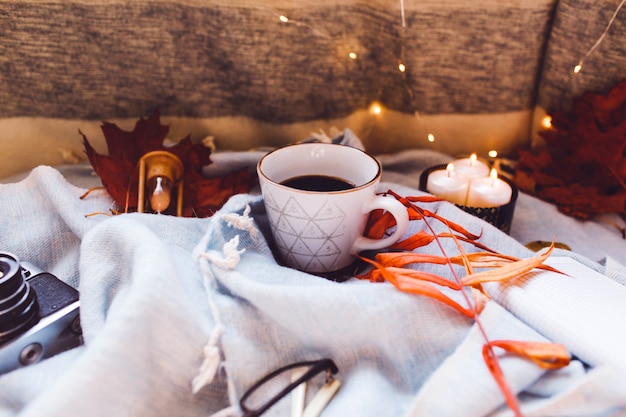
182	315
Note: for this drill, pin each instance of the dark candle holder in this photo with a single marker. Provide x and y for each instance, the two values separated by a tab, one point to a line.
500	217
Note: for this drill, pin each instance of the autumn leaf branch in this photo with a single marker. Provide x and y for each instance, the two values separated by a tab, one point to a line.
393	267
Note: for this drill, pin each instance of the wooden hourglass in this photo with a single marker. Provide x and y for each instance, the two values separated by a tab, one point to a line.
160	172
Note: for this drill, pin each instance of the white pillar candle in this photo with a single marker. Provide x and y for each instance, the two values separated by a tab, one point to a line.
471	167
448	185
490	191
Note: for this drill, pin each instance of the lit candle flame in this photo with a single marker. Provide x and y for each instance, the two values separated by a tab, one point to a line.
494	176
352	55
431	137
547	122
493	153
283	18
473	159
450	169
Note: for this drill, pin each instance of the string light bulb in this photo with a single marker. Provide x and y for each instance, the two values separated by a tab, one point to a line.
579	66
375	108
492	153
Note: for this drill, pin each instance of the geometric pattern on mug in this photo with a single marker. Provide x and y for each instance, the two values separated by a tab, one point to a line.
307	240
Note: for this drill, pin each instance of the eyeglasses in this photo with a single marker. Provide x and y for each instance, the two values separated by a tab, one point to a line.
309	369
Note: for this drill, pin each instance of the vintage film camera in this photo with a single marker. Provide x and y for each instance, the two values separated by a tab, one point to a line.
39	315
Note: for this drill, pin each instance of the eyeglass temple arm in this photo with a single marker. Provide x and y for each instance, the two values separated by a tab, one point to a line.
316	367
322	398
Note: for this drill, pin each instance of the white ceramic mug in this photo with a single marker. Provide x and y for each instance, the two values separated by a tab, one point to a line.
317	230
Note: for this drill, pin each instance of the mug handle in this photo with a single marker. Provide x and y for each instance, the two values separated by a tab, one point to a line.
397	210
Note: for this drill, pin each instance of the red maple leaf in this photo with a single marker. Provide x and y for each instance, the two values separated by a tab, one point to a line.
119	174
582	167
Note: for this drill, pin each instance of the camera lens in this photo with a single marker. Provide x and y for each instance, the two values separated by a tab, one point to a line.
19	309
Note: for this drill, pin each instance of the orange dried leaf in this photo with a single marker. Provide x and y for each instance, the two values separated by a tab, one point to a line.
464	261
546	355
493	260
373	275
479	294
423	276
400	259
414	214
508	271
485	259
416	240
424	199
378	223
415	286
491	360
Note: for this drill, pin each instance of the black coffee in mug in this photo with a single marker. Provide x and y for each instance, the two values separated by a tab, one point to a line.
320	183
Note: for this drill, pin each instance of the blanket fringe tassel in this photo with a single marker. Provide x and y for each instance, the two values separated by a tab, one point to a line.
229	259
211	351
211	362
